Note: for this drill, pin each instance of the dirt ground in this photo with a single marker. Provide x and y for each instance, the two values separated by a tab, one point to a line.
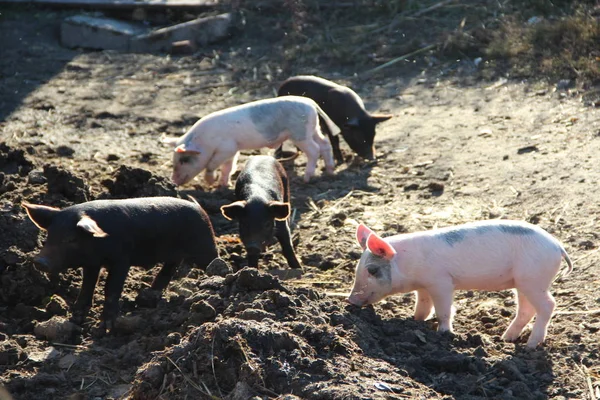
79	125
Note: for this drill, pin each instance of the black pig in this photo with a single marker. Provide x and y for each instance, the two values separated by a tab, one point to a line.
346	110
116	234
263	203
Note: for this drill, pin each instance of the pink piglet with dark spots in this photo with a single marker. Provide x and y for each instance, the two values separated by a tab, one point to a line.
486	255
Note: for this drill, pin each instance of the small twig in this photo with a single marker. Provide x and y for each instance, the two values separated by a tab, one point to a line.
312	205
398	59
90	385
337	203
431	8
586	256
164	385
582	312
70	346
212	364
336	294
188	380
588	380
265	390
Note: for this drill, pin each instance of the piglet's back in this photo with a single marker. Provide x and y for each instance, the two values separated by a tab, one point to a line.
153	229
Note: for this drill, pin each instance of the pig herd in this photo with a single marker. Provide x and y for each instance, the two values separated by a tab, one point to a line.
115	234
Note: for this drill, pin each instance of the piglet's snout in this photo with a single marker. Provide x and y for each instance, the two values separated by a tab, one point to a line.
355	300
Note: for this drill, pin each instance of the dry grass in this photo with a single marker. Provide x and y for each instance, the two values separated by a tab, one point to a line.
358	35
564	48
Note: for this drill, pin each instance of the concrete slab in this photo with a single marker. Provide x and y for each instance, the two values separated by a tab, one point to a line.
199	31
98	33
120	4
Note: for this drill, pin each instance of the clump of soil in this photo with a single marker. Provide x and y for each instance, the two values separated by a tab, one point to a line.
128	182
65	186
14	161
265	335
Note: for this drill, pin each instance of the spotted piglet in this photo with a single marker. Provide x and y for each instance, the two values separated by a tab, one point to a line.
215	140
262	208
486	255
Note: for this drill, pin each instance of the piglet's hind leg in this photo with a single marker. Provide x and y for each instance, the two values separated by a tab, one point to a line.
311	149
544	304
162	279
326	153
525	312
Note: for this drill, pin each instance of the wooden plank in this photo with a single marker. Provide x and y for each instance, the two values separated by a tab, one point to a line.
153	4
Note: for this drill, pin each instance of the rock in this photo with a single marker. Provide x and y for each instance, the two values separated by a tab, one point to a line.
98	33
411	186
117	391
10	353
64	151
40	356
527	149
327	264
129	324
173	338
57	329
218	267
36	178
67	361
241	391
152	373
436	187
564	84
201	312
200	31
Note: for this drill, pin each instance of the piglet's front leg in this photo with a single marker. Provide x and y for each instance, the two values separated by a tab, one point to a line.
86	294
442	295
112	293
283	235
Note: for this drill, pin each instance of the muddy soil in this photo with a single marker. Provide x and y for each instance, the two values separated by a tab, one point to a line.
78	126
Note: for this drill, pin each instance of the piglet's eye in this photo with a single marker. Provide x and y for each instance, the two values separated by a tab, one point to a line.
373	270
184	159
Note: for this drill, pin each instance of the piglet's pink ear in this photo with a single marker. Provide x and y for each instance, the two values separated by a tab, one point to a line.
380	247
88	224
183	148
362	234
